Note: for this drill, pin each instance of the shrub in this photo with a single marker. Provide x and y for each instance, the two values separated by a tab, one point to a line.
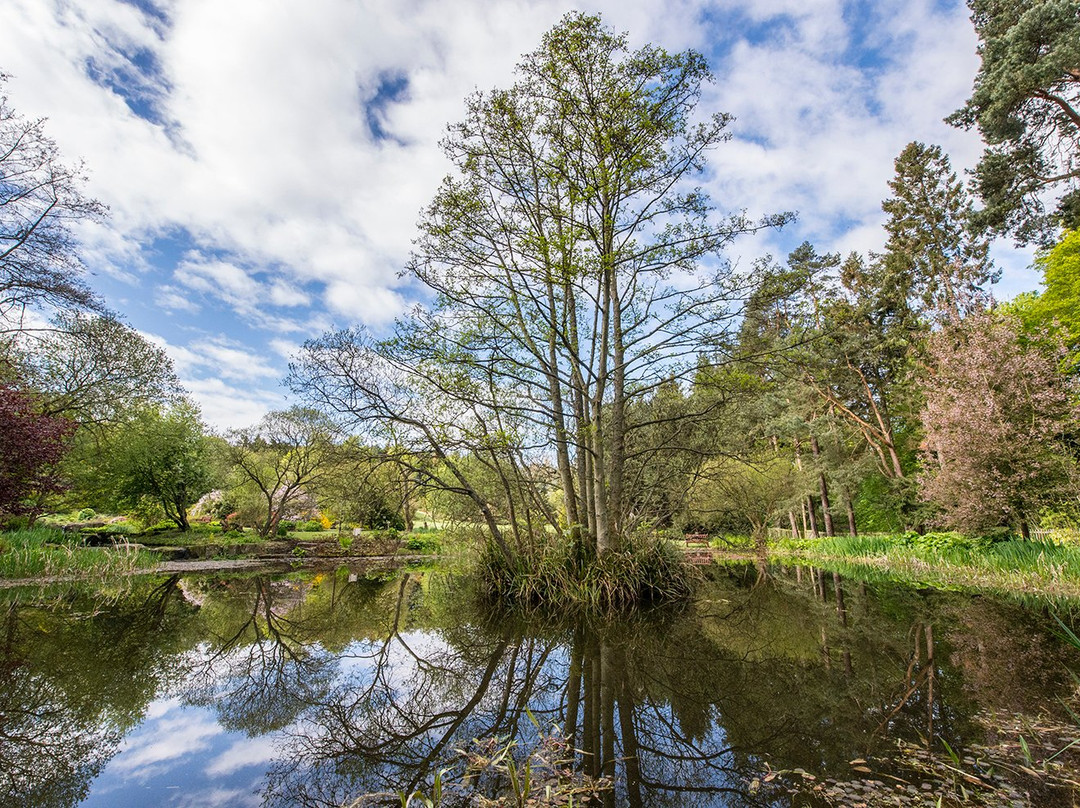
422	544
942	542
86	514
310	526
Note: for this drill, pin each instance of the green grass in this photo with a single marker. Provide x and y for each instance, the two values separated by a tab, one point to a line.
950	560
45	552
646	571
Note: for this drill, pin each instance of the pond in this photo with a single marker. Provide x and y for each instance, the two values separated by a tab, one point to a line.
778	687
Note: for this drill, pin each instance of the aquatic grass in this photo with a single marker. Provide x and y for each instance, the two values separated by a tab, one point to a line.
647	570
45	552
950	560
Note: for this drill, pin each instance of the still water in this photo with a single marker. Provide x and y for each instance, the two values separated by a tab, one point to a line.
780	688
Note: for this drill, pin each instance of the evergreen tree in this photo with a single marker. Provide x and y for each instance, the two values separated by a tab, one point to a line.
1025	104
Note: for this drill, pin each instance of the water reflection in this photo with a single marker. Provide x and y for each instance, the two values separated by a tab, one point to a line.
348	685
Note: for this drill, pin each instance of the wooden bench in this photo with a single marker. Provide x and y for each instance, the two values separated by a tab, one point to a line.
701	539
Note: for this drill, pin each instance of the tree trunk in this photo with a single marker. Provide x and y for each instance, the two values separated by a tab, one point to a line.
813	517
823	486
617	451
850	508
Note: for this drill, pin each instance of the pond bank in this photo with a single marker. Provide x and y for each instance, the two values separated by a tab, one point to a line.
1038	575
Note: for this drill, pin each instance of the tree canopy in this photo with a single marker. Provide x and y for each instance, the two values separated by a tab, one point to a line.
1026	105
575	269
41	200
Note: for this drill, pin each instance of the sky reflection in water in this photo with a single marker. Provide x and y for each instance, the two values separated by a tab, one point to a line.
309	689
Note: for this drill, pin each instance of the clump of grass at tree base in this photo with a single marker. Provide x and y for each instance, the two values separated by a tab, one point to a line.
45	552
646	570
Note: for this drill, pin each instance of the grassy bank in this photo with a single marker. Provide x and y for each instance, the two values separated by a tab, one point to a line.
946	561
45	552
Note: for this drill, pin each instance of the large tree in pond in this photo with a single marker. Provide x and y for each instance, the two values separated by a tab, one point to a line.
574	270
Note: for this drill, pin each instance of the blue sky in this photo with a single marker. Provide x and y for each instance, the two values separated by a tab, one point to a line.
265	161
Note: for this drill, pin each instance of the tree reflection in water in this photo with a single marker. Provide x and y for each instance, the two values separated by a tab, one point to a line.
370	686
676	709
70	689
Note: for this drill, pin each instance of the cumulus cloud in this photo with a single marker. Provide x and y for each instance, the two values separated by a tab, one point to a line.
292	148
247	752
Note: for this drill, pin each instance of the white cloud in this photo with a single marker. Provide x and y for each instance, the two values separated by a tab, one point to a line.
284	348
174	299
247	752
232	406
368	304
171	738
257	144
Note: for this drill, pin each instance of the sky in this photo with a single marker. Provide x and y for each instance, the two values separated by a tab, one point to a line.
265	161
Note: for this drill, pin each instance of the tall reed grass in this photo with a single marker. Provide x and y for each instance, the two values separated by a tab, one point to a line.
647	570
947	559
45	552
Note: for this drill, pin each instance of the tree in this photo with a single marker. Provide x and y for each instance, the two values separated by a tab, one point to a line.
361	486
863	340
279	458
40	201
932	253
32	445
996	415
1025	104
743	493
574	272
94	368
1057	308
159	453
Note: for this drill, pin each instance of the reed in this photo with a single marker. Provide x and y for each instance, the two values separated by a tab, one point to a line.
950	560
47	553
648	570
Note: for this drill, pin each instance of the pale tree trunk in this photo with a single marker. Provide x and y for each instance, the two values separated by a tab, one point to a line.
850	508
813	517
605	539
617	453
824	487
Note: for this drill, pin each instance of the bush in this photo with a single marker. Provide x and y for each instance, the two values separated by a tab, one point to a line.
942	542
310	526
422	544
377	543
87	514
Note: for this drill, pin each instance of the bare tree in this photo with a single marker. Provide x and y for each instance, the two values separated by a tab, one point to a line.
575	270
40	201
279	459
